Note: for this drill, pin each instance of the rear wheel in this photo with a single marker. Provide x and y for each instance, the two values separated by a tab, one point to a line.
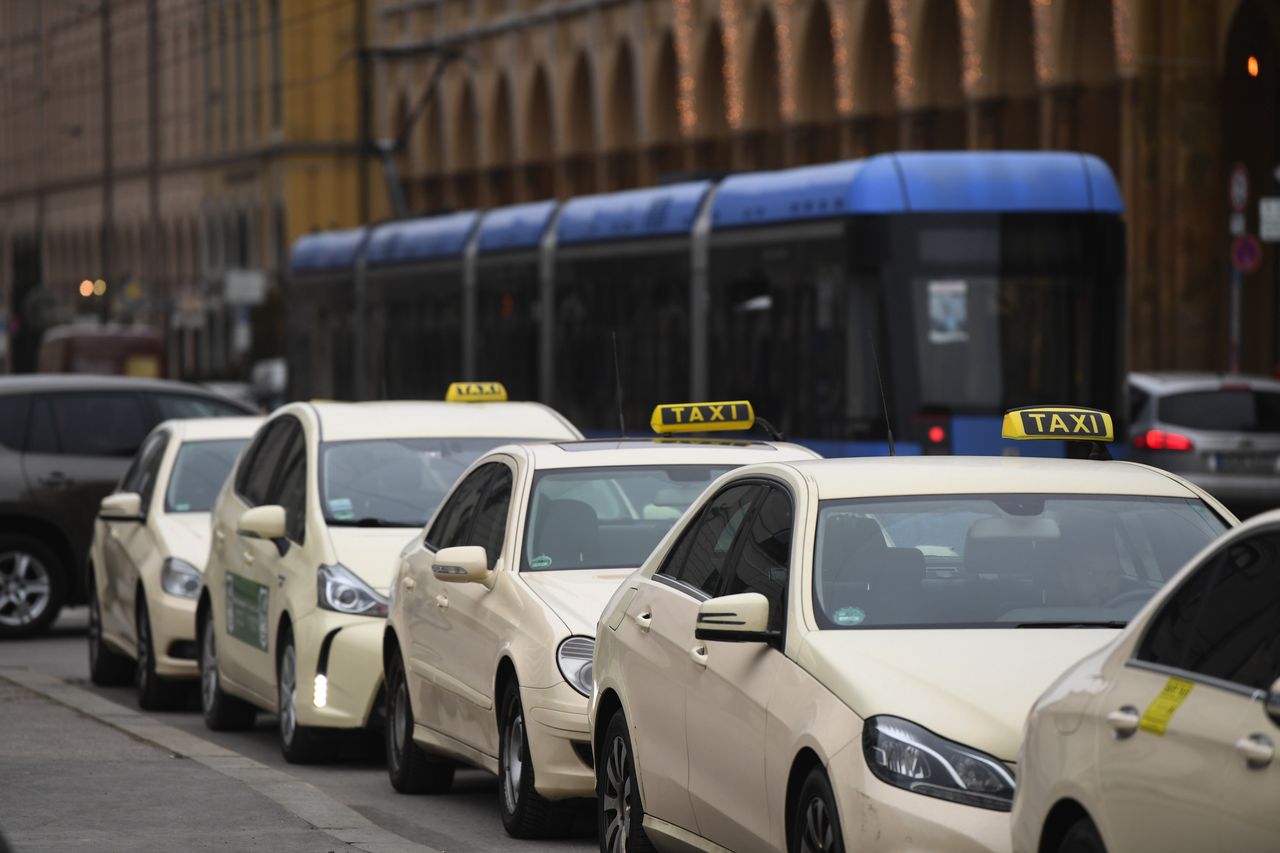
1082	837
620	812
412	771
107	667
153	693
33	584
300	744
222	713
815	825
525	812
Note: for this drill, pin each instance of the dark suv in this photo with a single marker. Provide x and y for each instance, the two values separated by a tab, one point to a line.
65	441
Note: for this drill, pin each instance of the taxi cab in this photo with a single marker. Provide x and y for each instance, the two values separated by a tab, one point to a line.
488	646
840	654
305	537
150	542
1166	739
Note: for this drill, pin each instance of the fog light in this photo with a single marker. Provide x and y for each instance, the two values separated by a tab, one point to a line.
320	694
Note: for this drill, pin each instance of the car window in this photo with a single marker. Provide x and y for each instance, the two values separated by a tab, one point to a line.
1230	410
698	559
95	423
490	527
260	465
763	561
141	476
454	521
290	488
1137	402
199	472
13	420
1223	622
191	406
42	437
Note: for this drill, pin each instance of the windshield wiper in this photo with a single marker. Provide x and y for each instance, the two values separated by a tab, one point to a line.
1112	624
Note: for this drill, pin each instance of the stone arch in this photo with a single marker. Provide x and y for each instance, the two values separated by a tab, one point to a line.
580	128
936	117
501	153
621	128
875	128
760	145
711	130
1082	109
1006	111
664	105
816	136
538	138
466	117
434	149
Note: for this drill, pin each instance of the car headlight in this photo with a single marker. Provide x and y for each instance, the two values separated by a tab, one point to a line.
574	659
908	756
180	578
338	589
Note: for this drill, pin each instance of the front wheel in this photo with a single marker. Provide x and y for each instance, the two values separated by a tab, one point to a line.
33	584
107	667
222	712
619	810
300	744
815	825
525	812
1082	837
153	693
412	771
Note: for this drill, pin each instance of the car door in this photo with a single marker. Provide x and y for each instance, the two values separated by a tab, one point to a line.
657	636
288	567
437	699
245	657
728	702
128	543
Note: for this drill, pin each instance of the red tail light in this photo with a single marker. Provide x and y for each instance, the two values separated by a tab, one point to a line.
1158	439
937	434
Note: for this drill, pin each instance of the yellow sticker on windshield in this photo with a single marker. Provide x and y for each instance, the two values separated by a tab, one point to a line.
1161	711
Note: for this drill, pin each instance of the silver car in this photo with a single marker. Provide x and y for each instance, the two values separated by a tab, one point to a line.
1222	432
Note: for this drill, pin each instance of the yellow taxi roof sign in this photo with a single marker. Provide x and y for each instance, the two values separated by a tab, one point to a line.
1071	423
476	392
702	417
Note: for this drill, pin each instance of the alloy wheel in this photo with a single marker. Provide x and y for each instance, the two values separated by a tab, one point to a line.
208	667
142	672
616	797
25	588
819	834
288	694
399	719
95	629
513	761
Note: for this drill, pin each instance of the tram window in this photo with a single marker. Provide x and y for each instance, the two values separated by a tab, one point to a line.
420	330
644	297
507	345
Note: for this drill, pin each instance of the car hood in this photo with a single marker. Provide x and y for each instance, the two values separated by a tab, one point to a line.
373	553
577	596
186	536
972	686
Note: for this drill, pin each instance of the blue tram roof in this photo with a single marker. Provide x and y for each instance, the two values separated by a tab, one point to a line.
328	250
651	212
519	226
921	182
425	239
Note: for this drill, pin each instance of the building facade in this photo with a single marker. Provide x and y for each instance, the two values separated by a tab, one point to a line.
539	98
173	149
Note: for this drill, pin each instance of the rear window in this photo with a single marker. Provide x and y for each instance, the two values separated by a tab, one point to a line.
1224	410
13	420
199	472
175	406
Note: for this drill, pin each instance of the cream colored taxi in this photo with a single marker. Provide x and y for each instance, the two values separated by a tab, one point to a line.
149	546
305	537
1166	739
839	655
489	643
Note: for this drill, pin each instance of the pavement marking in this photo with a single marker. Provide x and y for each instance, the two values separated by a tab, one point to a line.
299	798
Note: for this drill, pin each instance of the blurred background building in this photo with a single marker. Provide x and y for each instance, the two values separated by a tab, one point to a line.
175	148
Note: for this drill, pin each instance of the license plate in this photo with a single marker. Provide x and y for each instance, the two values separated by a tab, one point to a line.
1244	463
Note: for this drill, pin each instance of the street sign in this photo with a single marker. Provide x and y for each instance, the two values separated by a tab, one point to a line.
1269	219
1236	225
1246	253
1239	188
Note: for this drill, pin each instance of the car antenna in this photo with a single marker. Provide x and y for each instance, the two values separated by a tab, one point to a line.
884	403
617	380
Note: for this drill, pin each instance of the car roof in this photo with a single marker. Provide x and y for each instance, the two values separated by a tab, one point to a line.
434	418
207	429
900	476
92	382
595	453
1169	381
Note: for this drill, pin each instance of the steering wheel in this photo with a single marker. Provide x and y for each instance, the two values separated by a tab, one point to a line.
1141	596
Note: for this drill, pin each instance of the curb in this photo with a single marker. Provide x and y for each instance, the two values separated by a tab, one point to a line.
301	799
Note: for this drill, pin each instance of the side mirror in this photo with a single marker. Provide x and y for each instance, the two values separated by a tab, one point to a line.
741	618
262	522
1272	702
462	564
122	506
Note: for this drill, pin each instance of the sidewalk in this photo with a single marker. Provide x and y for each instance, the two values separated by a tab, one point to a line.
80	773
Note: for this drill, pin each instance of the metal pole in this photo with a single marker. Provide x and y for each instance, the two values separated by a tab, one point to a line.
1237	289
108	163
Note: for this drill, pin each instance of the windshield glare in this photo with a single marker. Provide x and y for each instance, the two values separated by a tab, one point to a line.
607	518
393	482
1000	560
199	472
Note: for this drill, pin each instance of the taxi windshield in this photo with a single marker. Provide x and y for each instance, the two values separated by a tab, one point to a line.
607	518
393	482
199	472
1003	561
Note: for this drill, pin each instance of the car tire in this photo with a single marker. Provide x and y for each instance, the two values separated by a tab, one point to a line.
107	667
33	585
619	810
1082	837
154	694
222	712
525	812
815	824
299	744
412	771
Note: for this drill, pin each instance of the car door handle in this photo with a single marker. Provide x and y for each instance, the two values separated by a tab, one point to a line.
1257	750
408	582
247	557
55	479
644	619
219	535
1124	721
698	654
442	600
